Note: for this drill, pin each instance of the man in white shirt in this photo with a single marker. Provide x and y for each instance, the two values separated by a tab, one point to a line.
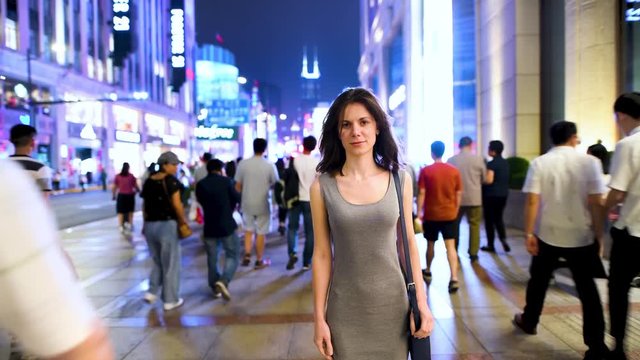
41	303
625	190
564	190
305	165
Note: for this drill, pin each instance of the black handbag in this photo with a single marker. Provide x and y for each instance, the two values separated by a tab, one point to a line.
420	349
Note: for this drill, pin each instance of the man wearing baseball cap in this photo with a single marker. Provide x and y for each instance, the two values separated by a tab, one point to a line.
625	190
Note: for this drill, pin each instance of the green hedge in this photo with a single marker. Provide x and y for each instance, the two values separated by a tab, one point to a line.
517	172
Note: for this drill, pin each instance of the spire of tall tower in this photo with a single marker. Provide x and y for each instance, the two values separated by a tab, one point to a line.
305	65
316	69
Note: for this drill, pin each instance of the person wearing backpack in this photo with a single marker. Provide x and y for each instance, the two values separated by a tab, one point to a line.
302	171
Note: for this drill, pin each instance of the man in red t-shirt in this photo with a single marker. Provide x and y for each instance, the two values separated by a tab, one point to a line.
439	196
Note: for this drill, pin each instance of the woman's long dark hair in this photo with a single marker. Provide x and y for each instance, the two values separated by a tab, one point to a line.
385	150
125	169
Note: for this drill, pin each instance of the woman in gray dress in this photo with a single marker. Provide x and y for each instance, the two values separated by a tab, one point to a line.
361	308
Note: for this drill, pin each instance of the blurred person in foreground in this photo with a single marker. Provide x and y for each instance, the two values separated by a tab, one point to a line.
218	197
564	193
625	190
41	302
356	214
162	212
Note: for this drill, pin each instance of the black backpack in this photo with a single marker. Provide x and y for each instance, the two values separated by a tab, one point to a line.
291	185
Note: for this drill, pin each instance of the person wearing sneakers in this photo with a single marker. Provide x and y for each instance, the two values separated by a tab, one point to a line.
439	197
218	197
494	197
564	193
305	166
161	211
254	178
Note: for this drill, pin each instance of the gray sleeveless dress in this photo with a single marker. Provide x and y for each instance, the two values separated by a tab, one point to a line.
367	309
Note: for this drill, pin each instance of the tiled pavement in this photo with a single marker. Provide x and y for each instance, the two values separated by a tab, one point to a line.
270	314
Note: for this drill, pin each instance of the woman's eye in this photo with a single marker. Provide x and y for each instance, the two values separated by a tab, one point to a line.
345	124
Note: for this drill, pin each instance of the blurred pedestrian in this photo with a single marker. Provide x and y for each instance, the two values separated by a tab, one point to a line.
278	192
162	212
473	172
201	170
230	170
125	187
218	197
564	190
42	302
494	197
304	166
254	179
23	138
103	179
439	196
625	190
356	272
55	181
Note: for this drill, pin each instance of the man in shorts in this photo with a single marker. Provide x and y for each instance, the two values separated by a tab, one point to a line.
254	178
439	196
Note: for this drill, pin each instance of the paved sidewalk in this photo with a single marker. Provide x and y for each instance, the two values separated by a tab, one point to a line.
270	314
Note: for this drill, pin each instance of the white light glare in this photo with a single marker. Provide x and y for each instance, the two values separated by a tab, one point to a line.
398	97
378	34
140	95
113	96
283	116
242	80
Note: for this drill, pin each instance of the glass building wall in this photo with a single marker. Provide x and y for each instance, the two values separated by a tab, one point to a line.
464	70
630	45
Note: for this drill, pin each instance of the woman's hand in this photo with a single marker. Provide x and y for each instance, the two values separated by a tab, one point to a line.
322	339
426	326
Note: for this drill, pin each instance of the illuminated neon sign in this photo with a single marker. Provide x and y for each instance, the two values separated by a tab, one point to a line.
177	38
633	11
177	44
121	15
216	133
127	136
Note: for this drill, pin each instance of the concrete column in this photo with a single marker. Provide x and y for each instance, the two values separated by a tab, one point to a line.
509	75
590	69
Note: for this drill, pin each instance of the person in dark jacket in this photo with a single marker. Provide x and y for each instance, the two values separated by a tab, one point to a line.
494	197
218	198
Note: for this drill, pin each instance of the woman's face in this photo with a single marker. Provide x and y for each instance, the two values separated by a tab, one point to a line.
358	130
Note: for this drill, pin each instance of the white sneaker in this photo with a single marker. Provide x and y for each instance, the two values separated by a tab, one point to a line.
171	306
222	289
149	298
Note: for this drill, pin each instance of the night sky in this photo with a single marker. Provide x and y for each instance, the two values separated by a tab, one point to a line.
267	38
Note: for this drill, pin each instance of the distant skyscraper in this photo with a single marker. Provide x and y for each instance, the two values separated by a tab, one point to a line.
310	86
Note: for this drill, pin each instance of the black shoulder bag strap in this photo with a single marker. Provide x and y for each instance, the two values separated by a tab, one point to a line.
411	286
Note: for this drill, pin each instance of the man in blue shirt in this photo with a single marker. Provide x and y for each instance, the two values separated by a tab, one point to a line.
218	198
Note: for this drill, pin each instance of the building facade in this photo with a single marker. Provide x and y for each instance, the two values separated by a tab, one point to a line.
95	106
499	70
